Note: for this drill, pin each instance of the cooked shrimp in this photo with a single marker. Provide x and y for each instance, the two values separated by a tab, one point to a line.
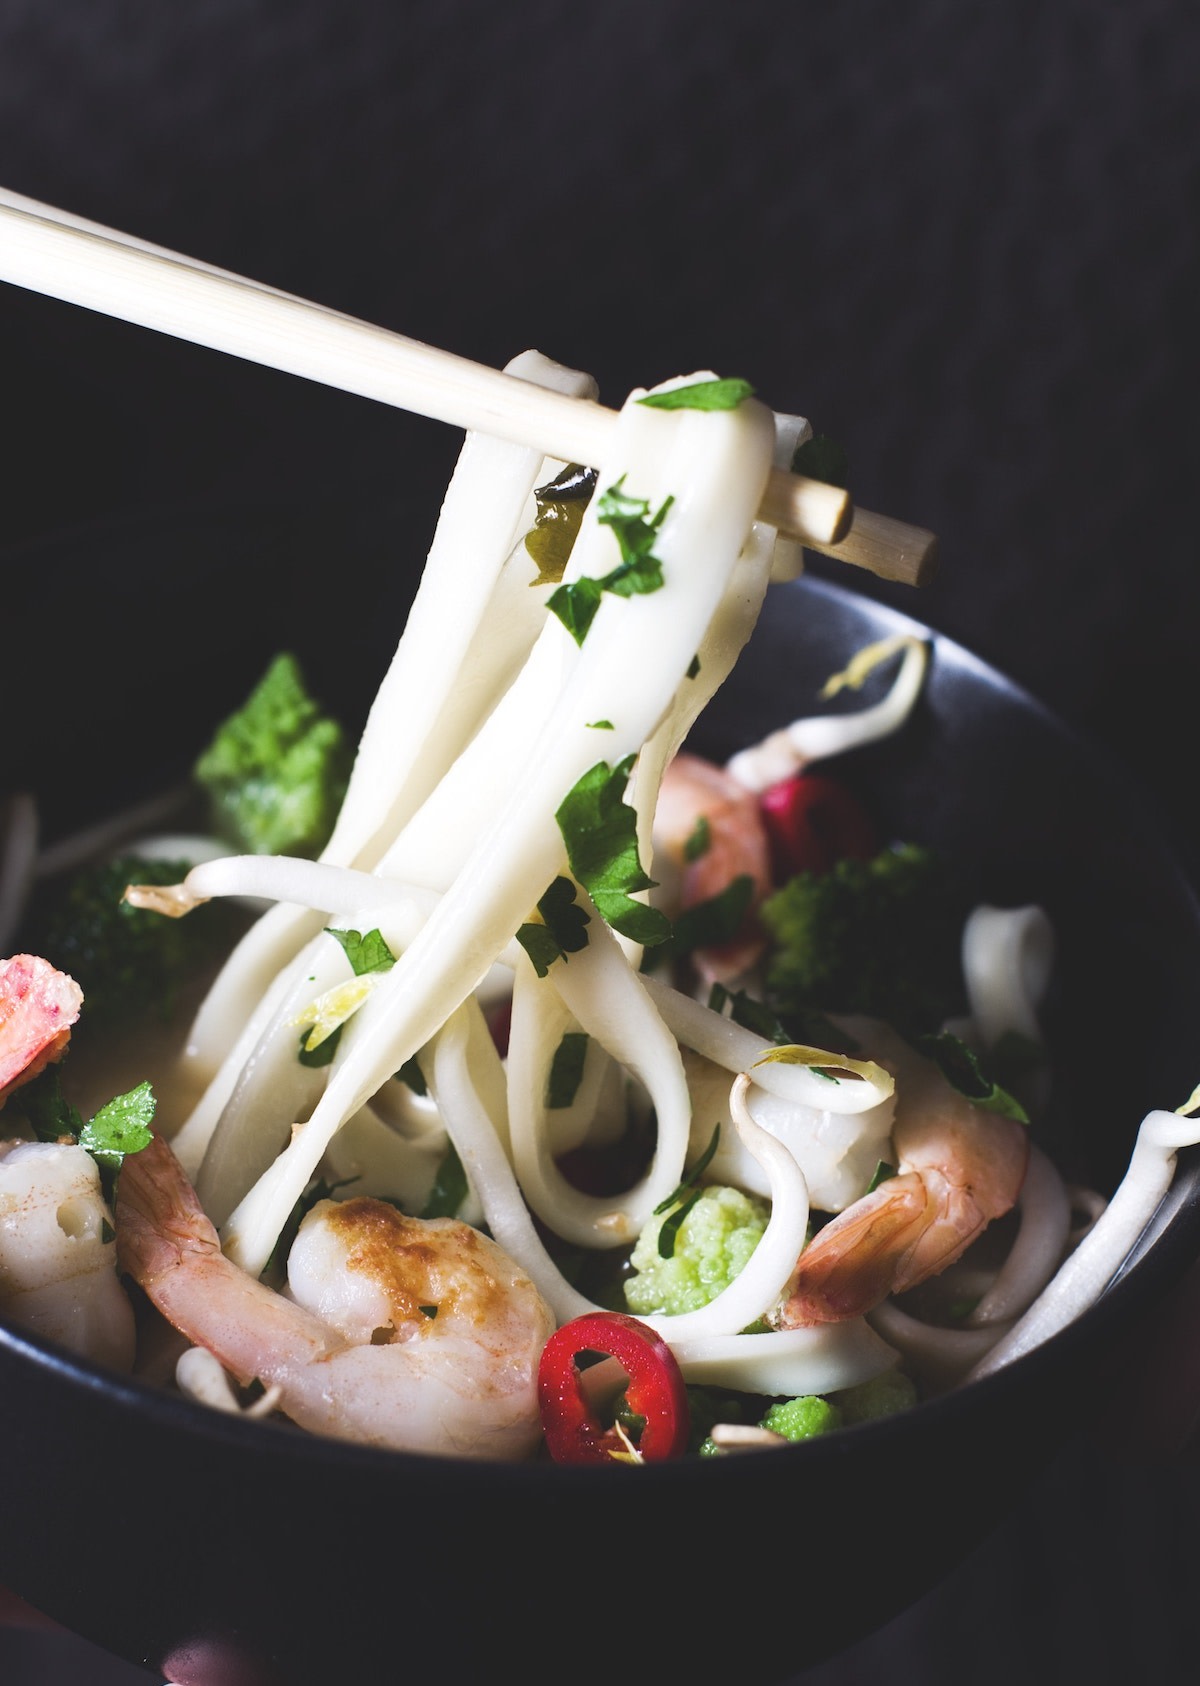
395	1331
57	1259
958	1168
38	1006
709	831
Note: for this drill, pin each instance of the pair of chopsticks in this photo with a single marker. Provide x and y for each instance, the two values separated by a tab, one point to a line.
83	263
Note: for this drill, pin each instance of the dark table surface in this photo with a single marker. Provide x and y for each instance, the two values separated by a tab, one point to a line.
962	240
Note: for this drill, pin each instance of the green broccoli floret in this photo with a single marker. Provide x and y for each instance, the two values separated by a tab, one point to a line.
276	769
801	1419
127	961
880	937
882	1396
720	1231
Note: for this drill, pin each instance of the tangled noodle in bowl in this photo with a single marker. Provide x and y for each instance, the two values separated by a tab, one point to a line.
302	1439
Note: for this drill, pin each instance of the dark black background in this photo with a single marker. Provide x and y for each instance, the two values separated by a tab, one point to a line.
962	239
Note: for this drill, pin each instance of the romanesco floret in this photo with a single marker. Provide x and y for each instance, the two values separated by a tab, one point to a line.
801	1419
712	1244
276	769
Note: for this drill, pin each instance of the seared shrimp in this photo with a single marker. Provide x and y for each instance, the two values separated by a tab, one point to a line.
395	1331
38	1006
708	829
958	1168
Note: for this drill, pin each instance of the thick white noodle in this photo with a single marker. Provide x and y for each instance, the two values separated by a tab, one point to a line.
788	1363
939	1357
488	505
1041	1241
714	465
737	1049
244	1118
332	890
723	642
453	1076
1007	961
373	1158
599	991
268	1093
1092	1266
816	737
199	1374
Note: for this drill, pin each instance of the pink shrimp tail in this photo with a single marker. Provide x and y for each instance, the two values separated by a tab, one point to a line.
861	1256
38	1006
160	1222
910	1228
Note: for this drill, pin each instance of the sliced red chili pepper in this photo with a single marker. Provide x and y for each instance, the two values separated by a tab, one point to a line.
812	822
655	1392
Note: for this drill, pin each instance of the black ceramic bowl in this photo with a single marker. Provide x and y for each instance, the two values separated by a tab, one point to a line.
158	1529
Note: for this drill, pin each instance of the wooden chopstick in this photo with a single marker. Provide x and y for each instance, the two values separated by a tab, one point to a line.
83	263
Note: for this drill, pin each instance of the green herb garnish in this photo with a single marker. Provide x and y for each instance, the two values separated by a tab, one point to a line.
961	1068
701	395
121	1127
566	1069
600	832
684	1197
562	930
699	841
638	573
367	953
750	1013
449	1187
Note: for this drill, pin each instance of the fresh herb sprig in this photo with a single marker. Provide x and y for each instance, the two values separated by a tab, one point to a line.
119	1128
561	931
638	572
599	829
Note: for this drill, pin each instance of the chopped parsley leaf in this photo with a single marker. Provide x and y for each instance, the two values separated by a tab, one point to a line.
562	930
367	953
566	1069
638	573
699	841
600	831
701	395
961	1068
121	1126
449	1187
